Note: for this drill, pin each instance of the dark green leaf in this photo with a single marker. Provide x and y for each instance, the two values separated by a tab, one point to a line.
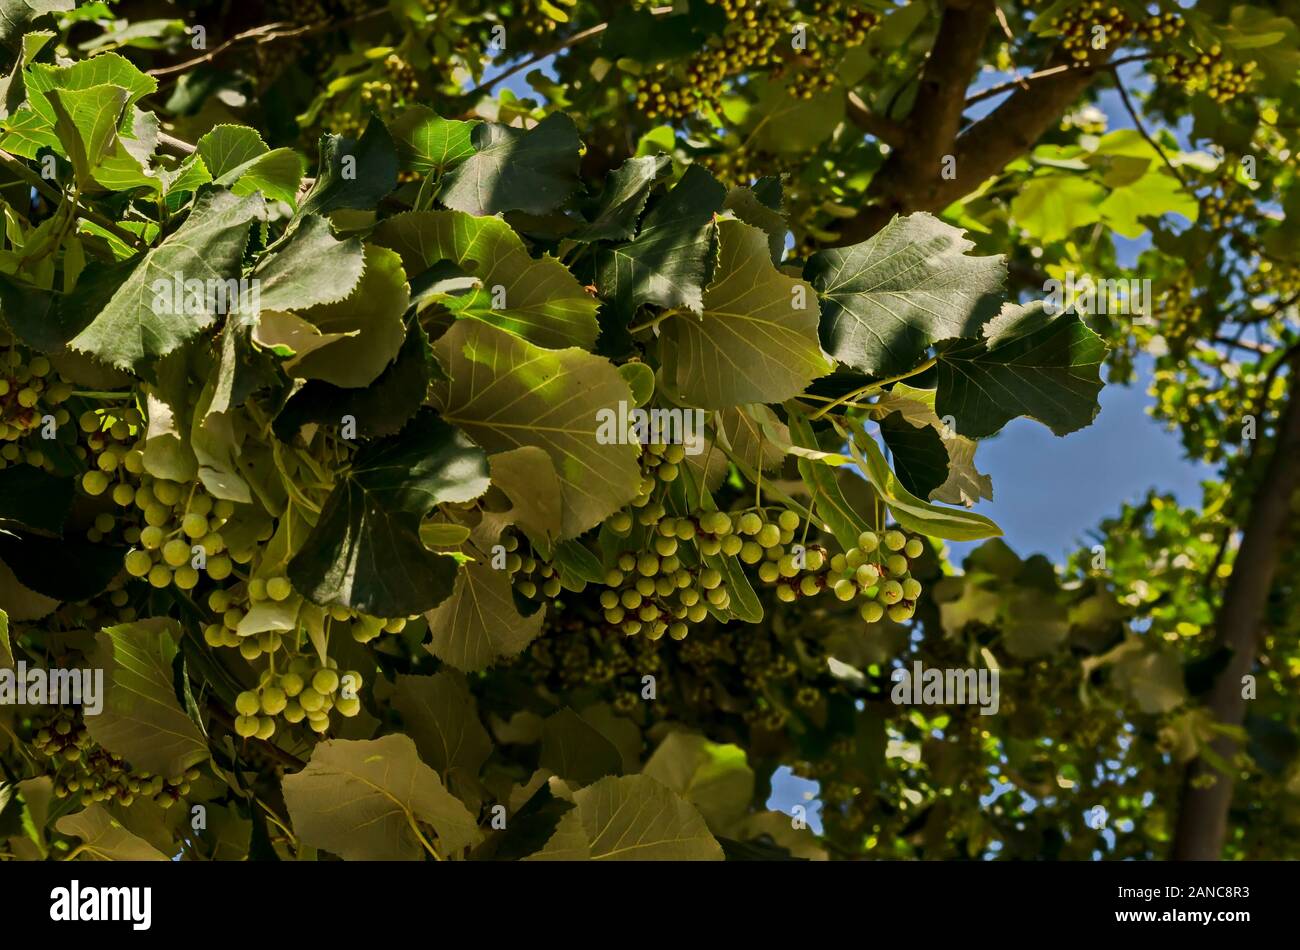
886	301
32	498
1028	364
354	173
512	170
365	551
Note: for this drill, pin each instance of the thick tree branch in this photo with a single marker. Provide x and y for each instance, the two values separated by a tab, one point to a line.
885	129
911	179
1014	127
1203	817
930	130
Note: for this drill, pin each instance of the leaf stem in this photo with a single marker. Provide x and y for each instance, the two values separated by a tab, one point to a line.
872	387
52	194
410	818
654	321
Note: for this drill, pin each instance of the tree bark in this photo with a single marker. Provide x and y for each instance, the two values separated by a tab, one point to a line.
1203	817
911	178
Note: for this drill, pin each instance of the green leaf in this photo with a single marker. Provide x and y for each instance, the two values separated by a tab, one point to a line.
189	176
365	330
538	299
911	512
363	801
12	87
624	197
312	268
380	409
427	143
86	123
1030	364
365	551
229	147
107	69
1154	678
787	123
633	818
964	484
920	458
103	838
15	17
714	778
479	623
747	205
507	393
527	477
354	173
6	649
1051	206
574	750
577	565
640	378
755	435
1035	624
440	715
236	157
757	339
142	720
533	171
1151	196
828	499
277	174
129	332
668	262
886	301
32	498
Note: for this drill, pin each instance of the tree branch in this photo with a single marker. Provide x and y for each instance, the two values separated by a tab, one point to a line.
266	33
1142	130
1022	82
1203	817
911	176
885	129
536	58
25	174
910	180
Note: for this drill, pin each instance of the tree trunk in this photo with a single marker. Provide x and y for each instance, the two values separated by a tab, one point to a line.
1203	817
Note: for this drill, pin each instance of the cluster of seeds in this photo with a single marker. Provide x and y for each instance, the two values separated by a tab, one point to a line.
1099	25
759	35
86	770
30	390
181	535
305	691
1209	72
232	605
876	571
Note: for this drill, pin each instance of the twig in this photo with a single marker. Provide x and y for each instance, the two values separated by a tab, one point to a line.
872	387
1262	348
536	58
52	194
175	144
266	33
1137	121
1022	82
